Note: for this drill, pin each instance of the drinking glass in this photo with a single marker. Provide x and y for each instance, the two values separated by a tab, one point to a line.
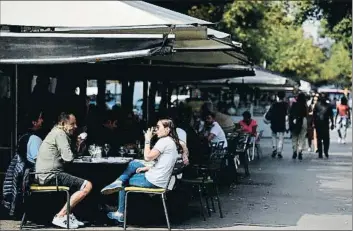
122	151
106	149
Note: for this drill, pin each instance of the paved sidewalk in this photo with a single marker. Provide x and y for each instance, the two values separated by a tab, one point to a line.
283	194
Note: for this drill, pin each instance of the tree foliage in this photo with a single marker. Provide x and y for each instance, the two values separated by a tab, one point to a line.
272	31
338	66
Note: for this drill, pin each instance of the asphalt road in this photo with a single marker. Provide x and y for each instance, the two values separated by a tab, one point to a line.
283	194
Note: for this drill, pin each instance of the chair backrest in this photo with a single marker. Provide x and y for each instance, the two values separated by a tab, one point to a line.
243	142
238	142
218	154
176	171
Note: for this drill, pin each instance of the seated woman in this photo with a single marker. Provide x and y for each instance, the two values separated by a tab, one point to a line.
248	125
165	153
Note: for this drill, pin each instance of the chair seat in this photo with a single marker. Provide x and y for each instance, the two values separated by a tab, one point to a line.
198	180
36	187
141	189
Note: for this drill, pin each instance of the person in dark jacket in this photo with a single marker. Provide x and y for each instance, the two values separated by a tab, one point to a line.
278	114
322	116
298	125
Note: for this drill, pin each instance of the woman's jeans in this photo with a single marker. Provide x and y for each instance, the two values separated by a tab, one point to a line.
131	178
277	146
298	140
342	125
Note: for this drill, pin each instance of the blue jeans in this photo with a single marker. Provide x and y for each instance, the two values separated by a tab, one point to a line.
130	177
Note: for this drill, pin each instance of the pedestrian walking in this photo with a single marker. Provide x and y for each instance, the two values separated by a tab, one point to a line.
298	125
322	116
311	132
277	116
342	120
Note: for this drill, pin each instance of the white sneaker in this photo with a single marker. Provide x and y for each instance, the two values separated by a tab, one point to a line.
339	140
62	222
309	149
74	219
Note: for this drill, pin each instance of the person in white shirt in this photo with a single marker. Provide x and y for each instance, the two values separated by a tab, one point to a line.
34	124
164	153
182	140
216	133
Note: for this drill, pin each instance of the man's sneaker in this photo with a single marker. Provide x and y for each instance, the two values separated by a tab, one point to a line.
116	216
294	155
62	222
309	149
320	156
300	156
74	219
279	155
274	153
326	155
112	188
339	140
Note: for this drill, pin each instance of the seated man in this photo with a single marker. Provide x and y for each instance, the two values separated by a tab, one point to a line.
215	133
248	125
105	132
54	152
224	121
164	153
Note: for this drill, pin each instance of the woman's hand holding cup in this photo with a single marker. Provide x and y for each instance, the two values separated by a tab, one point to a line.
148	134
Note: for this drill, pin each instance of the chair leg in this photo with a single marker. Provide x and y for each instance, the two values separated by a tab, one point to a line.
219	202
206	199
165	210
201	204
68	209
246	163
125	210
259	151
213	206
23	221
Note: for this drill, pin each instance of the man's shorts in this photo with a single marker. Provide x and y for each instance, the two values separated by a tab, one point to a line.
64	179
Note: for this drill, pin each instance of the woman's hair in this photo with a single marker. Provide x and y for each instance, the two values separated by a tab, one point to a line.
247	114
168	123
31	116
344	101
301	102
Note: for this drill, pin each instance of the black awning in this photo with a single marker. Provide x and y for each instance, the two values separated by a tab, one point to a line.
134	72
41	48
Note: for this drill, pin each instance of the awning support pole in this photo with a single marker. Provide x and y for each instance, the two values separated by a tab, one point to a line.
101	93
14	98
145	107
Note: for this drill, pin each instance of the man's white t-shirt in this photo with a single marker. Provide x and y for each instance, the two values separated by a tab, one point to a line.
181	134
219	134
160	172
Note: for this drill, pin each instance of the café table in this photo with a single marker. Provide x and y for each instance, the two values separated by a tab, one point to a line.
100	172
